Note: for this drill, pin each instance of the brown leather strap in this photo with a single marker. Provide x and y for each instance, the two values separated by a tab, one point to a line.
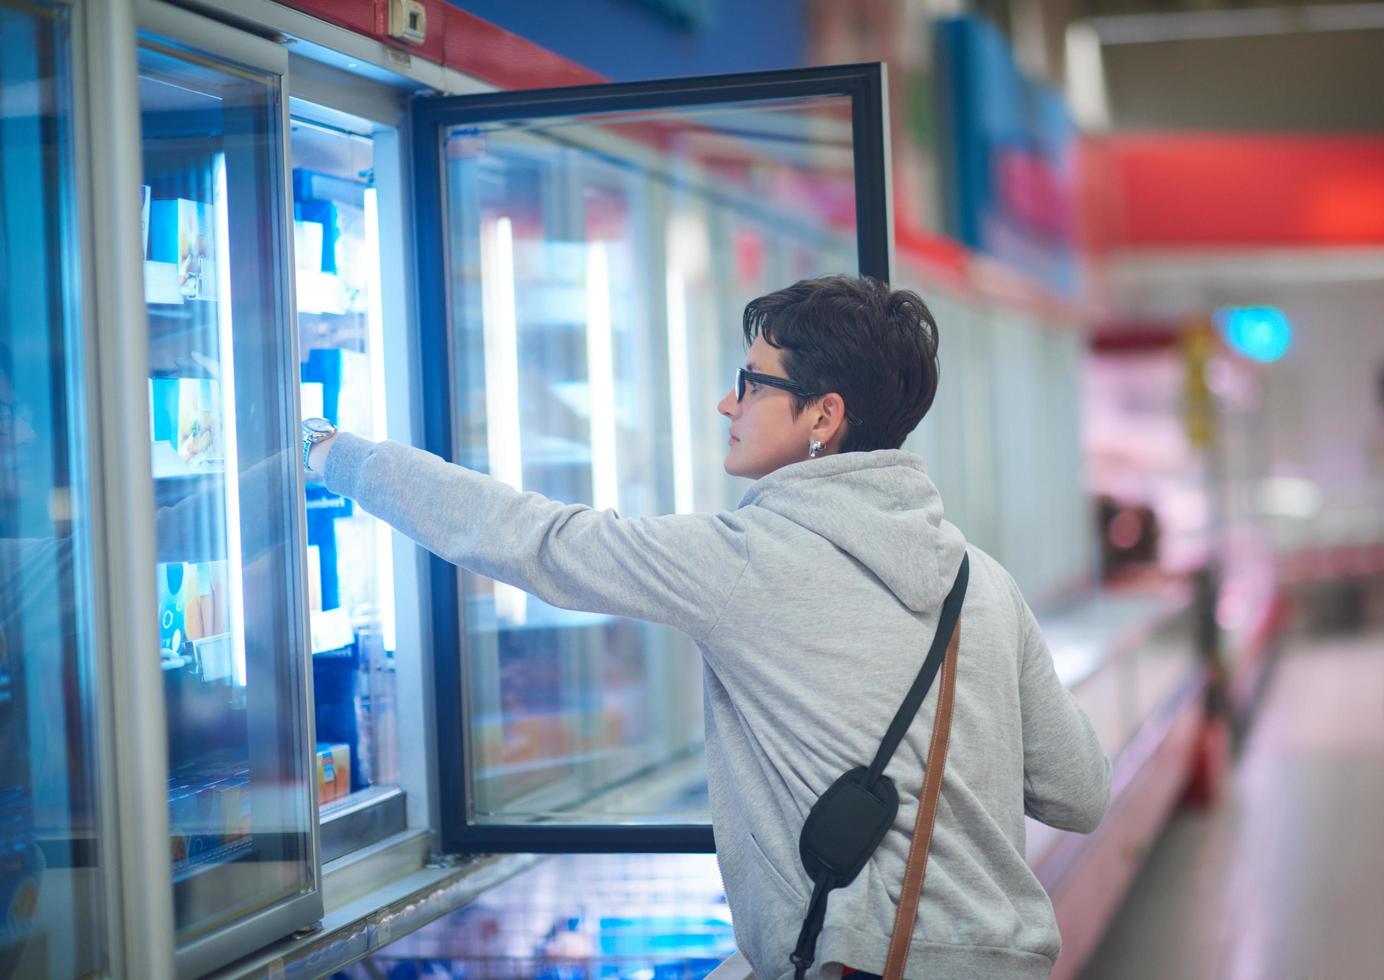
907	915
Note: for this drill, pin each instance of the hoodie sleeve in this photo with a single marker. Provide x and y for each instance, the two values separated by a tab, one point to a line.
1066	774
678	570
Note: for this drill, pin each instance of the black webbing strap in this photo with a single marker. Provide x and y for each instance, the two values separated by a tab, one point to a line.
951	611
869	781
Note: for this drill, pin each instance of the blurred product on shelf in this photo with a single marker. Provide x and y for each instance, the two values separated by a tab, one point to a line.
209	812
336	686
185	419
192	608
181	233
333	771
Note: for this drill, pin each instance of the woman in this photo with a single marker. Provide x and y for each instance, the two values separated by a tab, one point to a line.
813	604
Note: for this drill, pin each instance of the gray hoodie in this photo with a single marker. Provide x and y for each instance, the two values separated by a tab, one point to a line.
813	604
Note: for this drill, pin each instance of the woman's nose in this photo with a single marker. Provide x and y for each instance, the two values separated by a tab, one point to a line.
727	405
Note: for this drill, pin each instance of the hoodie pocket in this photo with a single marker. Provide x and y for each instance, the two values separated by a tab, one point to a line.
768	910
772	873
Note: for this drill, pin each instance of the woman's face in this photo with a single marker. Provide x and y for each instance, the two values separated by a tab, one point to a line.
763	433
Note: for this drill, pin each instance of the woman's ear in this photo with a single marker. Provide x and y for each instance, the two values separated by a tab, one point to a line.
831	419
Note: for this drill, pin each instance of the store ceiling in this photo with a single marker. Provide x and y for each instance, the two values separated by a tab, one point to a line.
1193	64
1106	8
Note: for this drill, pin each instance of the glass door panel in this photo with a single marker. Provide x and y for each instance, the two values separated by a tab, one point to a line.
223	437
52	920
596	249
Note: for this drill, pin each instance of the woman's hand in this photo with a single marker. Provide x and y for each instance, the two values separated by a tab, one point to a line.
318	453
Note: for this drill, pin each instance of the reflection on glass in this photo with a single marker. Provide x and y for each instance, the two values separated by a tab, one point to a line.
221	443
51	914
576	915
350	573
599	271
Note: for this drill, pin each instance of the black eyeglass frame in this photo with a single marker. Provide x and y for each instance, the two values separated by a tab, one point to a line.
774	381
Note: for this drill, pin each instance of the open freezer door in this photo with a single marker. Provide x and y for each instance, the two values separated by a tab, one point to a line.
585	255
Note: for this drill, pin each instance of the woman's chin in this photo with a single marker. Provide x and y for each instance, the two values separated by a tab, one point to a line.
737	468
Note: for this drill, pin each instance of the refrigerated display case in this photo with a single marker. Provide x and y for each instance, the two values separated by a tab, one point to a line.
349	554
223	450
53	865
586	255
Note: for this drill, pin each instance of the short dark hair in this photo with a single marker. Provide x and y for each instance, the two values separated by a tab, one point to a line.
875	346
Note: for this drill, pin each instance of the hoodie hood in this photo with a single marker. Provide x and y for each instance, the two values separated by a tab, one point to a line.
881	509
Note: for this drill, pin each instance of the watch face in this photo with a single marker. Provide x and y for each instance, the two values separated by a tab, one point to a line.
321	426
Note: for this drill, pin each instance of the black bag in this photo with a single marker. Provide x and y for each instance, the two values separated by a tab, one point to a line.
848	821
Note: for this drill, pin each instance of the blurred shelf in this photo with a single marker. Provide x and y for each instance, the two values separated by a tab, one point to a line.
1086	634
168	465
360	819
163	293
193	366
359	315
208	860
192	529
182	346
210	658
327	294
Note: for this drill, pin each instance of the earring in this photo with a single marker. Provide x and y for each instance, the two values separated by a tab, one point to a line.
813	448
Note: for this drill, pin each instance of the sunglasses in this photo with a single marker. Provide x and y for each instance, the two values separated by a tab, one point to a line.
743	377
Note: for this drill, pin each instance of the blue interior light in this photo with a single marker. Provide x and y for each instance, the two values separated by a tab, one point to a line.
1261	333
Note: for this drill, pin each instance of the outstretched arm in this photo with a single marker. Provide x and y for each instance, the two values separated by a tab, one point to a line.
1066	774
677	570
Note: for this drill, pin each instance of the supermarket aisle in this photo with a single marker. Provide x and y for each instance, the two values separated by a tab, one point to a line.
1285	878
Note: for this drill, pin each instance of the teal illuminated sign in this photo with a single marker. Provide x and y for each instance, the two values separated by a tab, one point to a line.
1261	333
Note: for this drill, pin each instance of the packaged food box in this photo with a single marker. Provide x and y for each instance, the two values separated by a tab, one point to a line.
333	771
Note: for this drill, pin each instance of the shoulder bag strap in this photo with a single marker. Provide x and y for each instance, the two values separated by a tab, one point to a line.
943	643
906	917
913	700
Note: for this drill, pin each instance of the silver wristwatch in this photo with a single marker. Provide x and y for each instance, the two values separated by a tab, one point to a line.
314	431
